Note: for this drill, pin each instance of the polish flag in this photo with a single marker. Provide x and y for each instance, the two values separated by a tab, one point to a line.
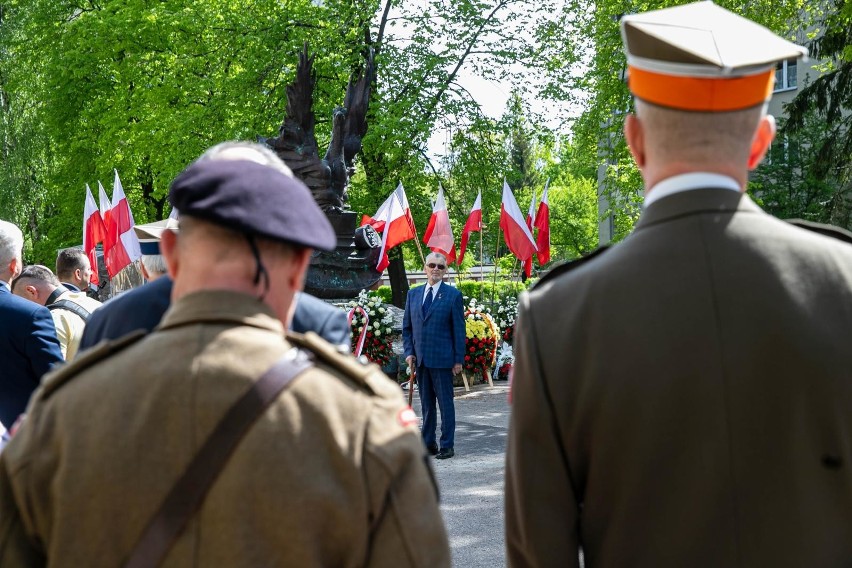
94	232
395	222
105	206
527	264
542	221
473	223
439	233
125	249
515	231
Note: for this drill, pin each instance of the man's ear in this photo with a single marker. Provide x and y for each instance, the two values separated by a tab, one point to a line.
15	267
634	133
31	291
762	140
169	248
301	259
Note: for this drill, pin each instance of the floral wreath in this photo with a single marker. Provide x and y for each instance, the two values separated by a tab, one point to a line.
376	328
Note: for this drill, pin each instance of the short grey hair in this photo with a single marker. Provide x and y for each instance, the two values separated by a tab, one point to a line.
438	254
154	263
237	149
11	242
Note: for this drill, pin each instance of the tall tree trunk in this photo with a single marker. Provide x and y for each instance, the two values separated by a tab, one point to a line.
398	279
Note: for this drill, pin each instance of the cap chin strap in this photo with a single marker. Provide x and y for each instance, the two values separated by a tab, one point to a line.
260	272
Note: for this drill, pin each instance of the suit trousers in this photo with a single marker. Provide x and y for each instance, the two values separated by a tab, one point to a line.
437	384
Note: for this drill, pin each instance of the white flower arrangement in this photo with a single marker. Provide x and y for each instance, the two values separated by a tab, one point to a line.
377	330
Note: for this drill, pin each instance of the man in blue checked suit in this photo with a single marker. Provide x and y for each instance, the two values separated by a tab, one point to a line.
433	333
28	343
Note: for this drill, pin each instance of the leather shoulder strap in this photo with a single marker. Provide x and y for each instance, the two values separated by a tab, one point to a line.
187	495
72	307
55	294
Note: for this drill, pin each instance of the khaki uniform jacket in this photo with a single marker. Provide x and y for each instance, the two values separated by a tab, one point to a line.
333	474
691	405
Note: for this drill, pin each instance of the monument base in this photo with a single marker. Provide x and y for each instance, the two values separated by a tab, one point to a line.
349	268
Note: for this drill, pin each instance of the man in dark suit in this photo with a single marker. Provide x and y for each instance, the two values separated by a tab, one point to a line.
28	343
685	397
433	334
143	308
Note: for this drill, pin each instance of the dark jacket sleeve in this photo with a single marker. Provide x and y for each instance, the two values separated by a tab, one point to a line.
336	328
42	346
327	321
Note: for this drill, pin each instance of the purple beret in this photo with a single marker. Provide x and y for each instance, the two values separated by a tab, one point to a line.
252	198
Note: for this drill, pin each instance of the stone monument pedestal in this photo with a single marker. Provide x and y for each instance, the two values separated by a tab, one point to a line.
349	268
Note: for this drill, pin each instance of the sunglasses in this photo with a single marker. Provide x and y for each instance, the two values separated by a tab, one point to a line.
438	266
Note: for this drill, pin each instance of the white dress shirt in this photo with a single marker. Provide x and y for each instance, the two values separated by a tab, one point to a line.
687	182
434	287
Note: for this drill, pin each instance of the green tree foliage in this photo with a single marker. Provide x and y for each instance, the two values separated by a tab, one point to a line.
145	87
820	125
790	185
585	44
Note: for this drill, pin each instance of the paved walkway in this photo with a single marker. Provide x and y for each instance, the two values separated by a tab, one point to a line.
471	483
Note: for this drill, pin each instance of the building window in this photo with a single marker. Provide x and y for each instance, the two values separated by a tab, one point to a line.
785	75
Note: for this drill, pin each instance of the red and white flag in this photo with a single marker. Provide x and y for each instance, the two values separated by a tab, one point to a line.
531	213
473	223
94	232
515	231
105	206
394	221
125	246
542	221
439	233
527	264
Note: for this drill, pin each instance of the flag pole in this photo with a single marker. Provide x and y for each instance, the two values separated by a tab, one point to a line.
419	248
496	250
481	261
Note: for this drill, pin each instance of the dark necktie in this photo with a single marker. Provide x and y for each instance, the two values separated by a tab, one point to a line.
427	302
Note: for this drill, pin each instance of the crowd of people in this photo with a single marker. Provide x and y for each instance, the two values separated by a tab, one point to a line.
683	398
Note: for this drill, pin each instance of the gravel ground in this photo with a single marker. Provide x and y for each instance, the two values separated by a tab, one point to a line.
471	483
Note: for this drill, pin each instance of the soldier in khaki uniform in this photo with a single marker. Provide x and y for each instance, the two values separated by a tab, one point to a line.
691	406
333	473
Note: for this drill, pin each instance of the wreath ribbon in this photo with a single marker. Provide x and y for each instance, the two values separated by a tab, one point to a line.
363	336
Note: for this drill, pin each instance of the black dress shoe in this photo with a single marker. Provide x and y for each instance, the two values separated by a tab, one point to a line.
445	453
433	449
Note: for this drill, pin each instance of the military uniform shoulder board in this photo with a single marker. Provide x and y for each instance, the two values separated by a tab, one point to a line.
338	358
823	229
53	381
569	265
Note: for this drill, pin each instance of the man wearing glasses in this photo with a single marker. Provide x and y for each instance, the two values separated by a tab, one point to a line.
433	335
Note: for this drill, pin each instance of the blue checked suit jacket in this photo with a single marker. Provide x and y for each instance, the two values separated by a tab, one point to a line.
437	341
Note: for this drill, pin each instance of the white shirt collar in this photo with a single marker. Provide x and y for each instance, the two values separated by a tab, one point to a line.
4	284
687	182
434	287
